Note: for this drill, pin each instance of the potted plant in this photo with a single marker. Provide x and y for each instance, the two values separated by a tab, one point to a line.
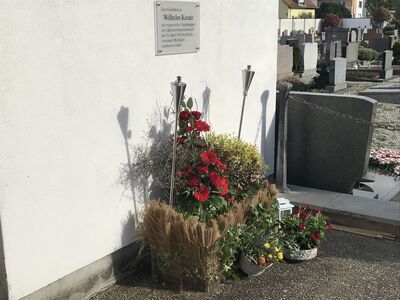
302	232
256	257
260	241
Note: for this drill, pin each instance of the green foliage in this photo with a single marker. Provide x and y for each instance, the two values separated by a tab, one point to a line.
305	15
396	52
332	8
367	54
249	238
372	5
304	229
363	44
246	169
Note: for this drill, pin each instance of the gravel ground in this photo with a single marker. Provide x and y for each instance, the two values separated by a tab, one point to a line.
387	138
347	267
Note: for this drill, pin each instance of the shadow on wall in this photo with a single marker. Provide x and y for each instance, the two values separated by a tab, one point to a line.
140	180
3	274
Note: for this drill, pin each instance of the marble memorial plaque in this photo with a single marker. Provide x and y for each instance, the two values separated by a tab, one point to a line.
177	27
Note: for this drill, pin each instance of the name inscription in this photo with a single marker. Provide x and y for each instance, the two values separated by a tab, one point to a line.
177	27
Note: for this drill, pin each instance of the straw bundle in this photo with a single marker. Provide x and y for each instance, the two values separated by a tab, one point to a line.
181	247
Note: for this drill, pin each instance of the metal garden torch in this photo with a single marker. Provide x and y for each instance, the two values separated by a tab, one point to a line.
247	75
178	91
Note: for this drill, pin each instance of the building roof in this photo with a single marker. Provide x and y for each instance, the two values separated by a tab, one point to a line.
293	4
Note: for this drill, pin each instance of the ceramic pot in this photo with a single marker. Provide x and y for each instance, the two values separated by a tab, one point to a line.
303	255
250	267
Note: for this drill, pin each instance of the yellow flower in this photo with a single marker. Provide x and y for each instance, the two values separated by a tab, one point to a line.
267	245
269	256
276	249
279	255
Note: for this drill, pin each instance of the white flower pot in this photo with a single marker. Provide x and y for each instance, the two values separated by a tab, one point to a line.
303	255
250	267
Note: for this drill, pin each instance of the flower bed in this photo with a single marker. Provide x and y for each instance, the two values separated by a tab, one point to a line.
386	159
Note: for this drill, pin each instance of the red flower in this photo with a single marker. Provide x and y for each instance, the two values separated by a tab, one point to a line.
202	193
189	129
196	114
193	181
222	185
214	178
229	199
315	236
301	226
201	126
328	226
209	157
303	216
296	211
181	139
202	169
184	115
316	212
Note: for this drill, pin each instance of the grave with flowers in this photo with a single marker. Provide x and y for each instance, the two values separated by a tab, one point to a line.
225	214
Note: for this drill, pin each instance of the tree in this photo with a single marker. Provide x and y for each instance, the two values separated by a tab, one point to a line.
372	5
331	20
332	8
381	15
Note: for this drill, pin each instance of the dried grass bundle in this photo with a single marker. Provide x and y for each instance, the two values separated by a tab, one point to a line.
186	242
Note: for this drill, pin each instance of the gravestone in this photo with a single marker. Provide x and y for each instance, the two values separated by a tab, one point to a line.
337	34
379	44
351	52
325	151
285	33
372	34
387	69
293	33
353	36
309	56
360	34
333	50
309	38
396	32
337	74
323	36
285	61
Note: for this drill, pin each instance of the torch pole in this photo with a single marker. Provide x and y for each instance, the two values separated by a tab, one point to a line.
171	189
241	115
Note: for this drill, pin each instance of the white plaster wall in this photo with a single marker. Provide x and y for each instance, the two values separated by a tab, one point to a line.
66	68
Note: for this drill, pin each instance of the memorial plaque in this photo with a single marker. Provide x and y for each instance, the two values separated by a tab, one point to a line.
177	27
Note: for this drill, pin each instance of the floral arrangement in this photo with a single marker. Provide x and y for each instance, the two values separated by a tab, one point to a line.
304	229
386	159
206	190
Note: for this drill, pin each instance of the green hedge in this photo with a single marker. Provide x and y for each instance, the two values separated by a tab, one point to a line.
367	54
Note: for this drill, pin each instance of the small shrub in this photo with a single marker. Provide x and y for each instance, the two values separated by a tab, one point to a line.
367	54
396	52
331	20
364	44
246	169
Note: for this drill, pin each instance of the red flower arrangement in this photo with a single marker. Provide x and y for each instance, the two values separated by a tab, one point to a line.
305	228
206	191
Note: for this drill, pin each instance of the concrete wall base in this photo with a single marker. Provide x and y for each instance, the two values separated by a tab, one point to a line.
92	278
